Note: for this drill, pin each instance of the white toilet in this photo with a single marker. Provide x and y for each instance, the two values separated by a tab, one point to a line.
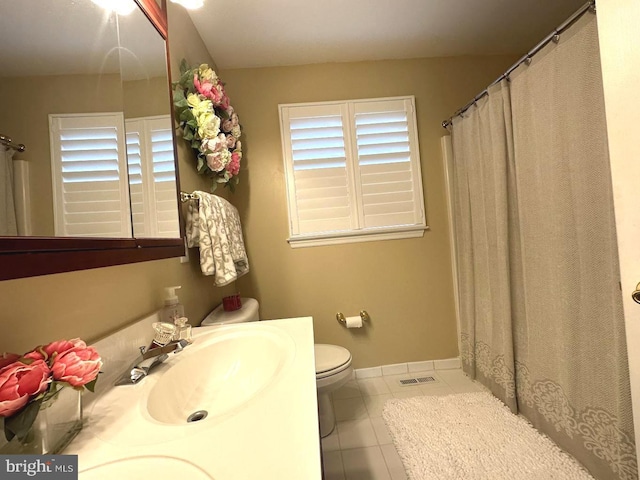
333	370
247	313
333	363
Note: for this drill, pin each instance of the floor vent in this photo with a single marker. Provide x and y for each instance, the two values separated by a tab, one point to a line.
416	381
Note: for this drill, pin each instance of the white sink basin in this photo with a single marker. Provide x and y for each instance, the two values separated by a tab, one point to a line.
156	467
217	375
257	382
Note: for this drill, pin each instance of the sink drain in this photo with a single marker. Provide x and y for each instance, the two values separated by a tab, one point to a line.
197	416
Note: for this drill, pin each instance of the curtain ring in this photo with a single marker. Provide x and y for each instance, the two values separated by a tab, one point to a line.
556	38
527	61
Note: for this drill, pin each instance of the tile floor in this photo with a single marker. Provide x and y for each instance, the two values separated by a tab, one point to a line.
360	448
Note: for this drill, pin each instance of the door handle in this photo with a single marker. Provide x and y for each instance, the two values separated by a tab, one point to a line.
636	294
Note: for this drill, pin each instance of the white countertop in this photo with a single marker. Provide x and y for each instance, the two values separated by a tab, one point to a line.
273	436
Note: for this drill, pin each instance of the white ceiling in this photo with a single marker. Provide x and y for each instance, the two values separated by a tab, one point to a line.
260	33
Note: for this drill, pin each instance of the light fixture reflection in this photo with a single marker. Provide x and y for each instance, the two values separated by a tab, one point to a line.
121	7
189	4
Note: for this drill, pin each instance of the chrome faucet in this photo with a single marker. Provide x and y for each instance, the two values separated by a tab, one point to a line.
148	360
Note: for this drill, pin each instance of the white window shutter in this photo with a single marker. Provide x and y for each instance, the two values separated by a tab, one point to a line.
135	141
320	194
388	167
164	177
153	197
353	171
89	175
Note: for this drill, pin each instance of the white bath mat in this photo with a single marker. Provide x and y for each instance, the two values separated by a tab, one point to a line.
473	436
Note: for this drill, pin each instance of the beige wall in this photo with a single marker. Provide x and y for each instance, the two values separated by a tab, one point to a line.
27	102
92	303
405	285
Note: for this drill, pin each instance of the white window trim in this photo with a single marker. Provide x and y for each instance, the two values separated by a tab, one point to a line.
368	235
362	234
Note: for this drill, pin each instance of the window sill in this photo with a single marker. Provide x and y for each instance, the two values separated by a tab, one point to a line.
338	238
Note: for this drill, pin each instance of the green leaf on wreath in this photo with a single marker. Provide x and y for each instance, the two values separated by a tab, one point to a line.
184	66
187	80
178	95
186	115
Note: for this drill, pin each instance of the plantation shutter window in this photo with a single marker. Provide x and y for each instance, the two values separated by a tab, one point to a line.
136	176
152	177
89	174
352	171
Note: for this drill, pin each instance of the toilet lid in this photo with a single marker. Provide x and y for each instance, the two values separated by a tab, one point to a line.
331	359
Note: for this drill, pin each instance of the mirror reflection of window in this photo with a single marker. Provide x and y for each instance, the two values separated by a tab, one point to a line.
103	63
152	177
88	166
146	106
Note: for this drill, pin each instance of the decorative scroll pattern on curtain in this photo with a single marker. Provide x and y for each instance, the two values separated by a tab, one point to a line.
541	311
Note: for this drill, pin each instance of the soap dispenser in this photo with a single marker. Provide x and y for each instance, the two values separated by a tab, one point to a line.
172	309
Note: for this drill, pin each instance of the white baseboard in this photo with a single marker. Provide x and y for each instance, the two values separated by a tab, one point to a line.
410	367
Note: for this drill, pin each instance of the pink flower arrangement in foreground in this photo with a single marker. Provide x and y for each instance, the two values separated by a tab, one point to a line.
38	376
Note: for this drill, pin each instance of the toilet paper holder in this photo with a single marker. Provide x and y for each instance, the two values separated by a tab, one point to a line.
363	315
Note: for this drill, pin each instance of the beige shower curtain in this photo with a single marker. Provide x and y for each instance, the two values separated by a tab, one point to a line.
563	330
483	146
8	226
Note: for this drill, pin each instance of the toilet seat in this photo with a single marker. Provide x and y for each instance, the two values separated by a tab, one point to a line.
331	360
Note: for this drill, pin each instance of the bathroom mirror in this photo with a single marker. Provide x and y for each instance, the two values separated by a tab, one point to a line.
78	78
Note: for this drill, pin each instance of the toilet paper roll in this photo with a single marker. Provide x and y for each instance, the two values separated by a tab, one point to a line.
354	322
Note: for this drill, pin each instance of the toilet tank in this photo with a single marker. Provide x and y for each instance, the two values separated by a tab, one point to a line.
247	313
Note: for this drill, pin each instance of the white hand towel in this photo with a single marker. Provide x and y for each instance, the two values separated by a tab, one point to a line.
214	226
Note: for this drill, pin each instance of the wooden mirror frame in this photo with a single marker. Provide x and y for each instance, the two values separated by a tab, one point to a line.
32	256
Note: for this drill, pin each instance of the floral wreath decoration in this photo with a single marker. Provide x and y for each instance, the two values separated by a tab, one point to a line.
209	123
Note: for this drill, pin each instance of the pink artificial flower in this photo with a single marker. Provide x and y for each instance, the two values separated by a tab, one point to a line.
46	352
215	96
227	125
234	120
222	142
77	366
8	358
19	382
215	162
224	102
203	88
207	89
234	165
231	141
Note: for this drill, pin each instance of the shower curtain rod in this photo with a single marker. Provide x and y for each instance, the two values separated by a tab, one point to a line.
590	6
7	142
